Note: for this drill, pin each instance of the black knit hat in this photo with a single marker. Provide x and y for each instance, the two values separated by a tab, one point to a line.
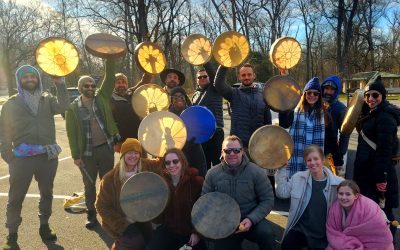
183	92
376	84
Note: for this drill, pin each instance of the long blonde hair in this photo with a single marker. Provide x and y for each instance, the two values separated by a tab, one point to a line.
122	168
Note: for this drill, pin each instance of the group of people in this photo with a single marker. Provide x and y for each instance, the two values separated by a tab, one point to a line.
324	208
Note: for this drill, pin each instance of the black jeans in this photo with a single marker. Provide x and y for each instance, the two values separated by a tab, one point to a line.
212	148
167	240
295	240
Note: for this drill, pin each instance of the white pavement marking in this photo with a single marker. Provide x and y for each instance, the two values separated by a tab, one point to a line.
62	159
38	196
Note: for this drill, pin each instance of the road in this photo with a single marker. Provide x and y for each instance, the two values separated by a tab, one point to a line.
70	228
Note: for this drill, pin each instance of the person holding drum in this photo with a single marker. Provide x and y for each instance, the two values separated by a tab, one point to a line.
125	117
308	126
335	146
312	192
249	186
28	146
127	234
193	151
92	133
206	95
374	165
185	184
172	78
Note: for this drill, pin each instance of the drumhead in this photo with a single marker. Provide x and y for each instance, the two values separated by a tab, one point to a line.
353	112
285	53
282	93
105	45
149	98
231	49
144	196
150	58
215	215
196	49
200	123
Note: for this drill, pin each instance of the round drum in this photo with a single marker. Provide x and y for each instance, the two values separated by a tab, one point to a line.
150	58
230	49
282	93
215	215
160	131
200	123
196	49
149	98
105	46
270	147
353	112
144	196
285	53
57	56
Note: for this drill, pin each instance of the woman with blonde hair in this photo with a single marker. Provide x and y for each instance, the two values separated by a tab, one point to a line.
128	234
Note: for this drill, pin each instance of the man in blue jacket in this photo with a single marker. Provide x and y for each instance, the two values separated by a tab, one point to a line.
335	146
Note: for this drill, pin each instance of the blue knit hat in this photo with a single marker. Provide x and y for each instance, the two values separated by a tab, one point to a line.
313	84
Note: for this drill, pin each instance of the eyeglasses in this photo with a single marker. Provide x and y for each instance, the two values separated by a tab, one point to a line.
87	86
374	95
174	161
203	76
181	97
310	93
230	150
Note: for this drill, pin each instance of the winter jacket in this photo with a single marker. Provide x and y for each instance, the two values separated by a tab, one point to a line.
248	185
249	111
337	111
20	125
177	215
380	126
298	188
210	98
75	132
113	219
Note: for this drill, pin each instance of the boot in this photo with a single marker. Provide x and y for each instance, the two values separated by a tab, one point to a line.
91	221
46	233
11	242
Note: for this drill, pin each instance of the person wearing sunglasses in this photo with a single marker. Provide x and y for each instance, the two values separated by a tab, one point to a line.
176	229
206	95
127	234
193	151
335	145
374	168
308	126
249	186
92	133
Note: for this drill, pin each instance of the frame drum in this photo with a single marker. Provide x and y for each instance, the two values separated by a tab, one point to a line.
282	93
149	98
230	49
150	58
353	112
105	46
285	53
144	196
196	49
200	123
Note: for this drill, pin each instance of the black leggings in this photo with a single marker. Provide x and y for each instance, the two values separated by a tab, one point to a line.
295	240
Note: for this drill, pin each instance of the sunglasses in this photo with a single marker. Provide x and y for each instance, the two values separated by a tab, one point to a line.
87	86
175	161
202	77
181	97
374	95
230	150
312	93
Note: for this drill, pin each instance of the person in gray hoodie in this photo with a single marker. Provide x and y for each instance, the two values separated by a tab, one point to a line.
28	145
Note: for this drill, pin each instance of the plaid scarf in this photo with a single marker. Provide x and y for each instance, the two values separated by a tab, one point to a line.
85	116
306	130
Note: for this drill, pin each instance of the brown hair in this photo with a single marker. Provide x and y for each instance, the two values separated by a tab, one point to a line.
351	184
313	148
181	157
247	65
319	106
233	138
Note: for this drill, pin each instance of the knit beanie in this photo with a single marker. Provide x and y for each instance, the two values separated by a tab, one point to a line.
130	144
377	85
122	76
21	71
313	84
82	80
182	91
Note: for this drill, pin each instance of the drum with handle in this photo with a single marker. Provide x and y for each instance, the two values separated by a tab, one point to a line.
216	215
282	93
196	49
353	112
285	53
105	46
231	49
200	123
149	98
57	56
150	58
144	196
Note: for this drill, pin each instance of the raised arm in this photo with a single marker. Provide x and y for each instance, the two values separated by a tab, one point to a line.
107	85
60	104
223	89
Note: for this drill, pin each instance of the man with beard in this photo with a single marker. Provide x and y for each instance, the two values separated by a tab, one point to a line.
172	78
337	110
92	133
28	145
126	119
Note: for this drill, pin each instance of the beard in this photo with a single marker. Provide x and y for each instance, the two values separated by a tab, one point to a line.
172	84
121	91
88	93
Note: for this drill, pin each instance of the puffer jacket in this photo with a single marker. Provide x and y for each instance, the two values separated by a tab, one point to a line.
248	185
298	188
380	126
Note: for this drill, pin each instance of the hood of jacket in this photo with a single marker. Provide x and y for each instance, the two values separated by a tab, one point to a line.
336	81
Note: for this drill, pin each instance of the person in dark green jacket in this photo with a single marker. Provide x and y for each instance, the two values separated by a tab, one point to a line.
92	134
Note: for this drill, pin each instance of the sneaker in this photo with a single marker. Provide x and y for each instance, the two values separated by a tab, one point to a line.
91	221
11	242
46	233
